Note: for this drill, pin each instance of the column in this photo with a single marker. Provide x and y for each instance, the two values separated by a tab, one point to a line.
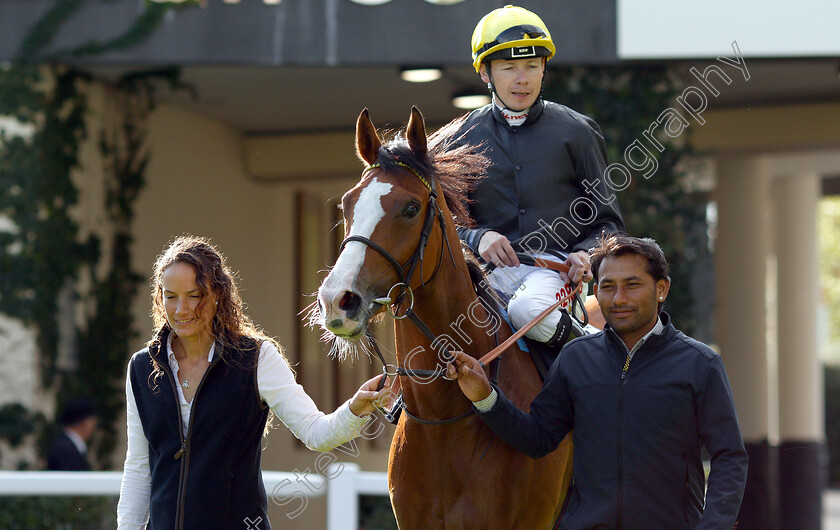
741	254
801	416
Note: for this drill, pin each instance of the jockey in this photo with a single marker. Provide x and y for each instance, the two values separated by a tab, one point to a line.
544	194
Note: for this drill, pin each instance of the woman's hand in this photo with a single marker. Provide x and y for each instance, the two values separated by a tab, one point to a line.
367	399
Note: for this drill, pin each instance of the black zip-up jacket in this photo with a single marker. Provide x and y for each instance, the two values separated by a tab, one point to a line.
538	169
637	435
211	479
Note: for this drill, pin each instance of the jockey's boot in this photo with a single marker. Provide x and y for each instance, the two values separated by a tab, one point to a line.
562	333
567	329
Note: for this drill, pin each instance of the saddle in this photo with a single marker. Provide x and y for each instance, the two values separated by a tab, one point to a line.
543	353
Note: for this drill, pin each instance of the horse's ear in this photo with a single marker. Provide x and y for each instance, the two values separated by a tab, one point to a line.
415	133
367	140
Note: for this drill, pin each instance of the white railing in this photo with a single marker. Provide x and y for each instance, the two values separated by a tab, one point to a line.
343	491
343	488
60	483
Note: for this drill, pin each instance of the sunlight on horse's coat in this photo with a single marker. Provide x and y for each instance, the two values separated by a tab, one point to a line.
438	476
367	213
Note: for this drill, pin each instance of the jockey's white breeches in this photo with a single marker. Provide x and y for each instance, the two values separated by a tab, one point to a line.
532	290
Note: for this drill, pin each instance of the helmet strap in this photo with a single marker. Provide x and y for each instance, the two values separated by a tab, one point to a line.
497	99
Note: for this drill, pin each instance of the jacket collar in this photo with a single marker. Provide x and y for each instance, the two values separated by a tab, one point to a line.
654	340
533	113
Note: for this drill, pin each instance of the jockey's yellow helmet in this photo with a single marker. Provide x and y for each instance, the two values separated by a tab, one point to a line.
510	32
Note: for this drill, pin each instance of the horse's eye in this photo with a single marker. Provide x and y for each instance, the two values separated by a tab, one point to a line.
411	210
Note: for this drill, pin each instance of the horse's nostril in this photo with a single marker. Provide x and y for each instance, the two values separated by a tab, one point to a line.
350	303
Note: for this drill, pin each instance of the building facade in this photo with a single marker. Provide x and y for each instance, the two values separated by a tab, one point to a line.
259	160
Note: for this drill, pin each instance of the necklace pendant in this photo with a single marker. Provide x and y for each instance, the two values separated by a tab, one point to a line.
185	384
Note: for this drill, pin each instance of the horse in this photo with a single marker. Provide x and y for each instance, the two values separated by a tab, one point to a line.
446	469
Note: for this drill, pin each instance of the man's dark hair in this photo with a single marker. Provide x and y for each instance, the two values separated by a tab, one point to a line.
76	410
614	245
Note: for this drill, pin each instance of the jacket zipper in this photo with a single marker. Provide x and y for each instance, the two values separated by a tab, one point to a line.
619	509
560	524
183	453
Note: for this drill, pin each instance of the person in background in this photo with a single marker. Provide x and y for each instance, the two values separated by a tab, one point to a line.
68	451
198	399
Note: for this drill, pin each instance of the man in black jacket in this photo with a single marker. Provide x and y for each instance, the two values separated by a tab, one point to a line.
641	398
68	451
544	194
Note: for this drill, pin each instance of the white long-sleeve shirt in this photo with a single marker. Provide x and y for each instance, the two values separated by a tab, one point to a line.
277	387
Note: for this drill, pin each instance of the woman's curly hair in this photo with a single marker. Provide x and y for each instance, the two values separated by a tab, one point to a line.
232	330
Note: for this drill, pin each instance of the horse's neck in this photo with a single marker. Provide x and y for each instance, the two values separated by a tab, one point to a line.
450	308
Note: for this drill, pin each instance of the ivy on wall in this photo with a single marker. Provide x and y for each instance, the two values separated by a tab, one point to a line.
41	248
625	101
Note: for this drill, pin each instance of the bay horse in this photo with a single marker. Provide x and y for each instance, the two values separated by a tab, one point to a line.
446	468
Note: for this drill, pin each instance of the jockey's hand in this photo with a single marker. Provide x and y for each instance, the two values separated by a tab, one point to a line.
496	249
580	269
470	375
367	399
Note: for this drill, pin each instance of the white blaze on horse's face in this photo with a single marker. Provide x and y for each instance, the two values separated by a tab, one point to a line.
340	318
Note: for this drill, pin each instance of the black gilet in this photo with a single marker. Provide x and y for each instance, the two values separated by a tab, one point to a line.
212	478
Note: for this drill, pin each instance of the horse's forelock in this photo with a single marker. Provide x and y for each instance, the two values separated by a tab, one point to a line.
456	165
398	151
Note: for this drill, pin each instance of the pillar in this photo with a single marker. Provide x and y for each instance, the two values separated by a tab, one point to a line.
741	254
801	416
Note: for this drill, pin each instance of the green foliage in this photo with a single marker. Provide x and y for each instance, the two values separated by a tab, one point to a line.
35	44
42	253
625	100
828	230
59	513
106	340
41	250
16	422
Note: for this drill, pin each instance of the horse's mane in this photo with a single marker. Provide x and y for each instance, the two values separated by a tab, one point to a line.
481	285
456	165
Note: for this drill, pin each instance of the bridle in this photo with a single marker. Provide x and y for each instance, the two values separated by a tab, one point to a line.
405	277
433	212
